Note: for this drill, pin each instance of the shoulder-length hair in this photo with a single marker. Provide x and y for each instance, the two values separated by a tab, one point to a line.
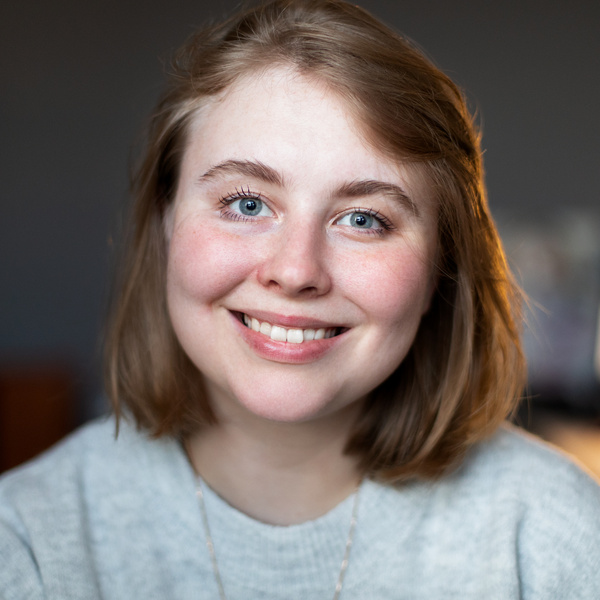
465	370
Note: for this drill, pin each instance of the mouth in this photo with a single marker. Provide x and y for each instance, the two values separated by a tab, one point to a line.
287	334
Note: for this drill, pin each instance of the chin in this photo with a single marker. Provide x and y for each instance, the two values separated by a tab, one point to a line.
284	406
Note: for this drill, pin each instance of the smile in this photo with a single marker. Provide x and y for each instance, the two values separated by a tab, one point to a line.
292	336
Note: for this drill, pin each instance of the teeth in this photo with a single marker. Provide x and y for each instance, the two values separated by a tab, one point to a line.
279	334
292	336
295	336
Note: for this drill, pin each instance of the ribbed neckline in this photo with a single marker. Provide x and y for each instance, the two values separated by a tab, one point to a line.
238	518
245	547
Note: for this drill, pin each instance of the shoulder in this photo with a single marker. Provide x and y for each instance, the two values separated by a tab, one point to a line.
517	519
552	504
531	469
60	470
32	486
95	453
94	464
541	482
88	487
40	499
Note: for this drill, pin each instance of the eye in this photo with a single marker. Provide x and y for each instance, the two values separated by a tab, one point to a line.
360	220
244	205
366	219
249	206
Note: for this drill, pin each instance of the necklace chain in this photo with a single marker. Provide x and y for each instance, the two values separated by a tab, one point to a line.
213	557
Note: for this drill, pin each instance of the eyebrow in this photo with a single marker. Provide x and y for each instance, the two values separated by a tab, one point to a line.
372	187
353	189
248	168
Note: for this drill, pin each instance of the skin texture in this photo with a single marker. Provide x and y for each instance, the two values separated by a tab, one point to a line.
289	145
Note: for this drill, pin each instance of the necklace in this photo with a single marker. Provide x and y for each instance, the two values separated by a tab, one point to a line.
213	557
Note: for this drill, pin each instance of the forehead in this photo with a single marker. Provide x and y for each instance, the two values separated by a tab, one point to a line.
297	125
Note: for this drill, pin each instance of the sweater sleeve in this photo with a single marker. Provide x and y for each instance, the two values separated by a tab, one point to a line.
19	574
559	535
43	528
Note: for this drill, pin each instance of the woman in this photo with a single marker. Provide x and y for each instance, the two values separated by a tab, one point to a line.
312	353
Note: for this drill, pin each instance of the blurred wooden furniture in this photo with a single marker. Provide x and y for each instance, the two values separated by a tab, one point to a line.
579	438
36	410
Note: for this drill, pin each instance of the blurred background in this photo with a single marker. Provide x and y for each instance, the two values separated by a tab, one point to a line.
77	80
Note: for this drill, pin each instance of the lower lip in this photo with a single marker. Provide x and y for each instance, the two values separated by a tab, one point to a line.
285	352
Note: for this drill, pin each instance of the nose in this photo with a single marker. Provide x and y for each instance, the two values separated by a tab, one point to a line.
295	263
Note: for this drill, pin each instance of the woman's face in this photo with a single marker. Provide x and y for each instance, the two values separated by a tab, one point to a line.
300	260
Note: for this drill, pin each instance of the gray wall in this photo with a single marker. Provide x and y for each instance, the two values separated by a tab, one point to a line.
77	79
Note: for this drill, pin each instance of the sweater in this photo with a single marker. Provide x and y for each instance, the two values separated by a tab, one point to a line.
99	517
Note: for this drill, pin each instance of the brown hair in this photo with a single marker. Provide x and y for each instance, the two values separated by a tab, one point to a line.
465	370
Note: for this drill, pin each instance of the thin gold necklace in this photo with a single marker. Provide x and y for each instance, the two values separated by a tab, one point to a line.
213	557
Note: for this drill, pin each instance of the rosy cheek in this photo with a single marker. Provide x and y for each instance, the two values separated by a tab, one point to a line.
392	285
205	263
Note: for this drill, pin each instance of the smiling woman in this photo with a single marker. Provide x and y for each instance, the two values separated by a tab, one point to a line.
314	346
286	225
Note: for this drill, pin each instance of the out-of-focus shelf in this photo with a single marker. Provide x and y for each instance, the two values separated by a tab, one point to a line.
36	410
582	440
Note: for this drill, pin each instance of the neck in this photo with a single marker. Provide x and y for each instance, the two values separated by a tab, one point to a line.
278	473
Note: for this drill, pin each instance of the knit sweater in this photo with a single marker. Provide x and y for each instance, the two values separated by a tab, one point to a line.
119	519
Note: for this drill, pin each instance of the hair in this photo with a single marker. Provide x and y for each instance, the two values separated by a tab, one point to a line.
465	370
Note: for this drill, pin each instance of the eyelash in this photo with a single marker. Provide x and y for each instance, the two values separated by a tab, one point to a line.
386	224
241	194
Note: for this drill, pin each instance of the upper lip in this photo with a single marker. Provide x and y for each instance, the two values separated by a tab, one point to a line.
289	321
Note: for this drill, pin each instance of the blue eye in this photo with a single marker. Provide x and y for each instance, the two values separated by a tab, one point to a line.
244	205
361	220
250	206
365	219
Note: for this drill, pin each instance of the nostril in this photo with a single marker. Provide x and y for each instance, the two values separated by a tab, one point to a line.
296	265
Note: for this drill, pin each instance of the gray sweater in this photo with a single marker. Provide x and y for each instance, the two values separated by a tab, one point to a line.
99	518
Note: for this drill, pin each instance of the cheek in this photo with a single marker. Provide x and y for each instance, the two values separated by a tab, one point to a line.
391	287
205	264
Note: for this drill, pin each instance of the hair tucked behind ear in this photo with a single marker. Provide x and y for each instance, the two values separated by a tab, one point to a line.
465	370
